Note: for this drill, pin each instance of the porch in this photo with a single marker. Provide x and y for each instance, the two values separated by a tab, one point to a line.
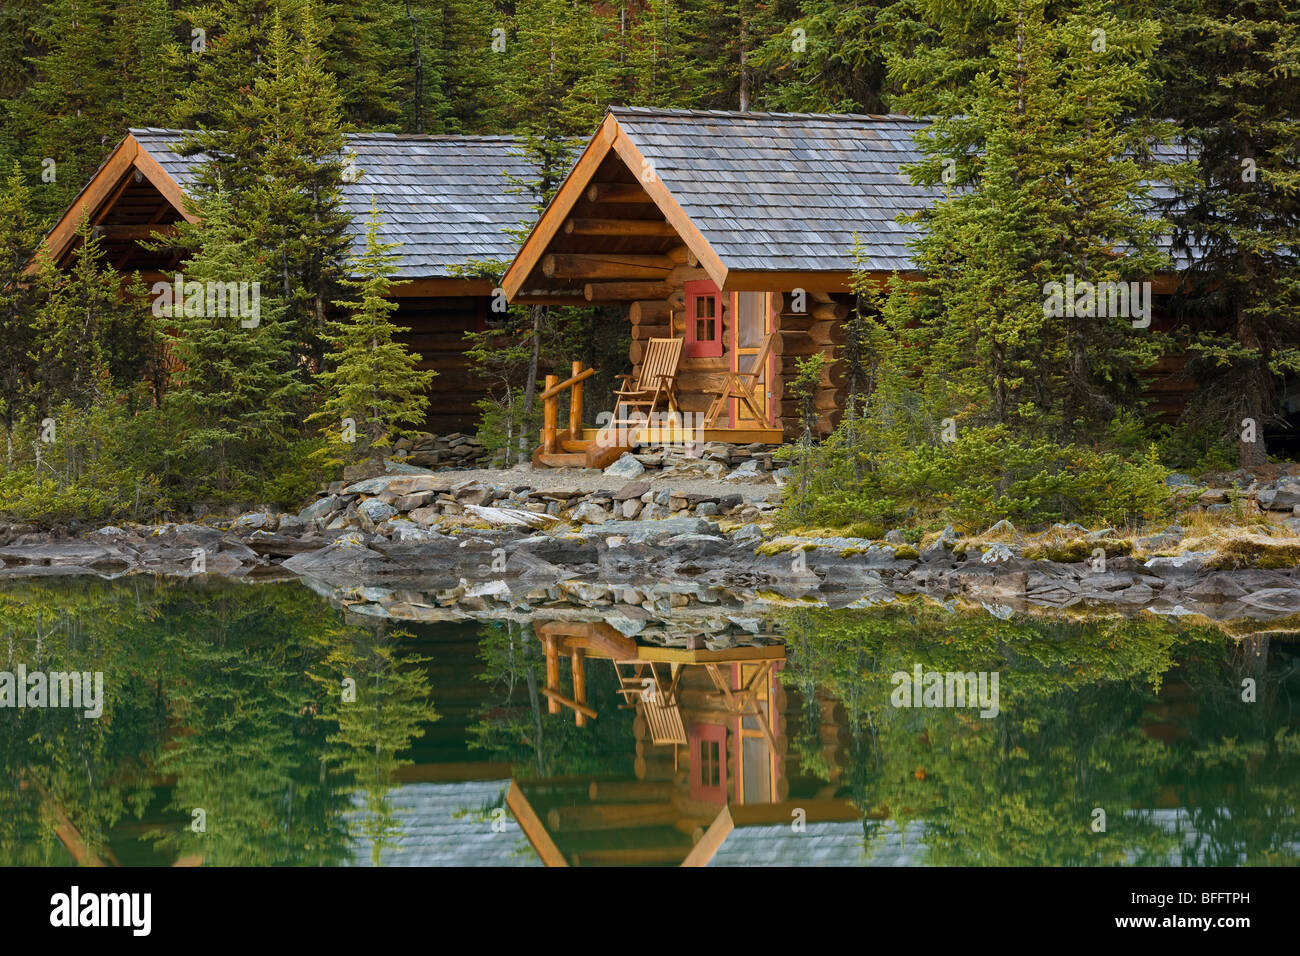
657	421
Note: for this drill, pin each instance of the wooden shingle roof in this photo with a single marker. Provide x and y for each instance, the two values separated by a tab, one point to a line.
786	191
446	199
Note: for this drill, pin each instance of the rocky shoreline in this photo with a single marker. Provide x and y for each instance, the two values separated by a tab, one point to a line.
435	547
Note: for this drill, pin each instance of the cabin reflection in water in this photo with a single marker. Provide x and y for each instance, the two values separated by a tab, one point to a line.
712	756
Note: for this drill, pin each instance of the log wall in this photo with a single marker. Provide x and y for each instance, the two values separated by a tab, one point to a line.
437	335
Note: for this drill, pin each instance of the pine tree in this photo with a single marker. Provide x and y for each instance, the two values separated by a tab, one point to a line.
1233	86
1041	164
19	239
233	392
69	350
277	151
373	380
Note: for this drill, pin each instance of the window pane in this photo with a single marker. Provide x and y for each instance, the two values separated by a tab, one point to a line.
751	322
758	770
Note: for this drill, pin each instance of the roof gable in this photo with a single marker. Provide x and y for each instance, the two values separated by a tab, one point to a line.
446	200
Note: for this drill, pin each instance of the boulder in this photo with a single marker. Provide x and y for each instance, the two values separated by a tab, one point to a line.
626	467
376	510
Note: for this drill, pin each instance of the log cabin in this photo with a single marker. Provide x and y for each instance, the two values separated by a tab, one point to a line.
712	752
447	200
724	229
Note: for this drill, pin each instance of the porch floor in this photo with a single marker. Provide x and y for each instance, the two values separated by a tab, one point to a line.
665	434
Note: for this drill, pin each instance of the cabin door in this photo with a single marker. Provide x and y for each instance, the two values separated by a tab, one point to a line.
753	321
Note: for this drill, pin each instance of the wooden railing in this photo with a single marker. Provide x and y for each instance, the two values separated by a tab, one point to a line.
551	406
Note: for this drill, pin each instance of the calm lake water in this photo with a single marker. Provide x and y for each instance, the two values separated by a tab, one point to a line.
256	724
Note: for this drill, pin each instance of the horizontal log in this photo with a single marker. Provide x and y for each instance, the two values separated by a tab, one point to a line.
684	273
613	816
682	255
582	266
641	333
649	312
629	791
135	232
618	227
618	193
653	768
623	291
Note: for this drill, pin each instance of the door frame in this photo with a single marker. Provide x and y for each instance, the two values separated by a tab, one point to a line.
769	326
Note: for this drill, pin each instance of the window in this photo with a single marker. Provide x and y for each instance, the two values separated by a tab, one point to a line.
703	320
708	749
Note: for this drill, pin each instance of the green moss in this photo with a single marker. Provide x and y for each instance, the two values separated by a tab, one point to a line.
778	546
1078	549
1249	553
905	552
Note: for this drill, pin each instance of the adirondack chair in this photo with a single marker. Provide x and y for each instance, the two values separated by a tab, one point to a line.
743	386
658	700
657	381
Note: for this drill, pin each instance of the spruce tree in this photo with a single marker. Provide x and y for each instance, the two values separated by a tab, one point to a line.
233	393
1233	86
1041	166
20	237
372	379
69	348
277	151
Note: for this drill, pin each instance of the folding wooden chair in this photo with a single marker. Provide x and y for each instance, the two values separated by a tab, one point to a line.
657	381
743	386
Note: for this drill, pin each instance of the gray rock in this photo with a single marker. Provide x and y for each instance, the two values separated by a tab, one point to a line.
748	471
291	523
376	510
707	509
589	512
1177	479
747	534
626	467
633	489
1283	498
894	536
368	486
254	520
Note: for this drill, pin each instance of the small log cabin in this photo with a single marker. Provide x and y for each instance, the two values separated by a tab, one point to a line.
712	753
723	229
446	200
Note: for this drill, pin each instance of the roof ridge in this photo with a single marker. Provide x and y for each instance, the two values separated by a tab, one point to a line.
751	114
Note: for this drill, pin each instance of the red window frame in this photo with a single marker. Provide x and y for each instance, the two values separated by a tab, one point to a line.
703	789
693	346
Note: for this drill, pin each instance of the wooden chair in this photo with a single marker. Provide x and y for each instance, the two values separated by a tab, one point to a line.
656	699
657	382
743	386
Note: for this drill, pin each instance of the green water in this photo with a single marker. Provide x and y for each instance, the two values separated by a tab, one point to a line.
230	735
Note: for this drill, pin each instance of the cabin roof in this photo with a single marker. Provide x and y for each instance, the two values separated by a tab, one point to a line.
445	199
821	844
438	825
762	200
783	190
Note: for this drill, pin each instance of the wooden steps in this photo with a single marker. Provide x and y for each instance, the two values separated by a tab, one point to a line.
579	453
